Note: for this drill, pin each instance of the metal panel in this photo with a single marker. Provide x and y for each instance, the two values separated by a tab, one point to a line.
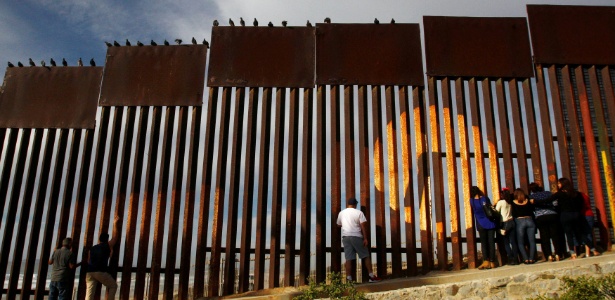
392	159
336	176
321	184
292	186
262	57
364	157
154	76
489	47
563	34
557	100
277	188
466	174
50	97
546	129
388	54
519	134
306	185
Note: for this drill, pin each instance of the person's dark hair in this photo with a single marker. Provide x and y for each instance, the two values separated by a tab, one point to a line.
535	187
474	191
567	186
104	237
506	195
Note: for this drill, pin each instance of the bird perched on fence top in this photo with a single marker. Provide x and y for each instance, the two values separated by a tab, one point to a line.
80	62
139	43
308	24
92	62
216	23
128	43
43	63
64	63
328	20
19	64
11	65
230	22
270	24
108	44
284	23
255	23
242	22
206	43
153	43
392	21
52	62
376	21
166	43
116	44
178	41
193	41
31	62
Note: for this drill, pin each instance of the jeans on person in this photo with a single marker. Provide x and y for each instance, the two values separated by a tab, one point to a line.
487	243
548	226
510	241
570	223
588	232
526	229
58	290
93	278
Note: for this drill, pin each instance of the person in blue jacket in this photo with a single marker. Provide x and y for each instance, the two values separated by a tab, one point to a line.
486	227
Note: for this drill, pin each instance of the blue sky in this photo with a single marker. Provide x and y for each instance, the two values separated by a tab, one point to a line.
44	29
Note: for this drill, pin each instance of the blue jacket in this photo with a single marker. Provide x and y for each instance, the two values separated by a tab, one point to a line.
479	214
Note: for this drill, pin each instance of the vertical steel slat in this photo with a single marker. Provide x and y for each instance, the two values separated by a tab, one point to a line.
423	171
13	199
407	175
479	165
176	186
558	118
233	193
148	199
592	148
161	205
519	135
492	147
263	182
466	173
546	128
291	202
248	194
509	172
109	181
67	197
208	157
336	177
6	170
364	157
28	198
277	188
213	285
321	185
532	132
306	186
607	160
189	201
394	206
436	158
575	131
133	203
379	209
3	132
45	245
350	141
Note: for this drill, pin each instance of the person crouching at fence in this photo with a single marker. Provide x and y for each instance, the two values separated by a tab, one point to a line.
354	238
98	264
486	227
62	262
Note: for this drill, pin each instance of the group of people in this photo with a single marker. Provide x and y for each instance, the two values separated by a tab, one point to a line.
564	218
64	261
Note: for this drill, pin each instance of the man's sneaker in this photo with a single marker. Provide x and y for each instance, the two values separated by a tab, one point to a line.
374	279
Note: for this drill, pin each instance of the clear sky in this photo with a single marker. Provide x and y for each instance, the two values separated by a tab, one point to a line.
44	29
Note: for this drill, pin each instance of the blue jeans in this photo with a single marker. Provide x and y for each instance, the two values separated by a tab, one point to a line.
510	241
588	232
570	223
526	229
58	290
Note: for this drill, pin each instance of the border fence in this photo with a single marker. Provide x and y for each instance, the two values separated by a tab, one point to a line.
294	121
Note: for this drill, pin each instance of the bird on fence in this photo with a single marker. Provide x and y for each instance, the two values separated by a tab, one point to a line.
206	43
153	43
11	65
376	21
116	44
308	24
31	62
139	43
64	63
43	63
284	23
128	43
178	41
242	22
255	23
328	20
19	64
216	23
80	62
193	41
270	24
108	44
392	21
92	62
230	22
52	62
166	43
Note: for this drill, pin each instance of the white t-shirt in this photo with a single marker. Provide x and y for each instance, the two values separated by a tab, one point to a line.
505	210
351	219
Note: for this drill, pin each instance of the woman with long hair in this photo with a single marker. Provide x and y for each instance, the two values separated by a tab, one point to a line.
570	203
523	212
507	227
547	221
486	227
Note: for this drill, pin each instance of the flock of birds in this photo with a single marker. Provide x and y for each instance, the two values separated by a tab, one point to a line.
166	43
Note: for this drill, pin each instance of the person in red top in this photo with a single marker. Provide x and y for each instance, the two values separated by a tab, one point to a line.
587	226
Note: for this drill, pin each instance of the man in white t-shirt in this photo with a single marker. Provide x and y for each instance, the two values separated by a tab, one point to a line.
354	238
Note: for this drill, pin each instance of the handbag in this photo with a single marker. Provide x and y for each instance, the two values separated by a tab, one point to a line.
490	212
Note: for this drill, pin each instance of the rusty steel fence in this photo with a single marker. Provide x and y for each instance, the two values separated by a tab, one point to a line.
239	189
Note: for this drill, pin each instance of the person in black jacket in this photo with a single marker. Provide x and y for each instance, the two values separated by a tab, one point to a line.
98	264
569	203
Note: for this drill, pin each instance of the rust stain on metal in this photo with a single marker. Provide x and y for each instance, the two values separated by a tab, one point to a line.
50	97
154	76
563	34
489	47
262	56
388	54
